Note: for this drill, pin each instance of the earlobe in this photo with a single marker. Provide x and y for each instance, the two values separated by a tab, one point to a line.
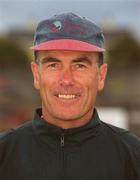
35	73
102	76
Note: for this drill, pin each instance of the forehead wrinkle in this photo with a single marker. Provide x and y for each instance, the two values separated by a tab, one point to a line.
83	59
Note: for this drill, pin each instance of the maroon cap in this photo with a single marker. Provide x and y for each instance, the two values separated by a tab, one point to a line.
68	32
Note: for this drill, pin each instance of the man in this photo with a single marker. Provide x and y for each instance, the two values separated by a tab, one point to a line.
66	139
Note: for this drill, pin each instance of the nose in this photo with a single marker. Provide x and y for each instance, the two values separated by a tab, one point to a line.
67	77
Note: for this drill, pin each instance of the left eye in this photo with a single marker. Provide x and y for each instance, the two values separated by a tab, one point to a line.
80	66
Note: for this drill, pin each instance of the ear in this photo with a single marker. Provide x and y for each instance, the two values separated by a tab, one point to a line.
36	76
102	76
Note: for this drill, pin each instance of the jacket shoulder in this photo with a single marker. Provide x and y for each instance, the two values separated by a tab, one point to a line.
5	134
126	137
10	133
114	129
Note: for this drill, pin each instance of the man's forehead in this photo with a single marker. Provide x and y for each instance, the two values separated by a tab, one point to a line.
63	54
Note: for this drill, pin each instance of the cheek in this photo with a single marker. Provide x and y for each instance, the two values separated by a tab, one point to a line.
92	88
47	81
89	81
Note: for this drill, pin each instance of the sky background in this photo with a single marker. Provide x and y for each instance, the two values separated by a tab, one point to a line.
118	13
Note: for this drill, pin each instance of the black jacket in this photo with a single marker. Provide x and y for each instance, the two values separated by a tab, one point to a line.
96	151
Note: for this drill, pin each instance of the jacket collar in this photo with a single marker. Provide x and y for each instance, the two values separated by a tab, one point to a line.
52	135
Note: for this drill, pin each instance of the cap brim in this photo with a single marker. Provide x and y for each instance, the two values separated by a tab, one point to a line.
67	44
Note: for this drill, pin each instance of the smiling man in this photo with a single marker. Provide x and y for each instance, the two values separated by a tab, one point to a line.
68	82
66	139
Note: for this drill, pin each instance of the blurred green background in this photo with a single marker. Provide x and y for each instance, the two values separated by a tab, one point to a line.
120	23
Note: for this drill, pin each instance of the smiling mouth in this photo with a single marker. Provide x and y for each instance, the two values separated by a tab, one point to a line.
68	96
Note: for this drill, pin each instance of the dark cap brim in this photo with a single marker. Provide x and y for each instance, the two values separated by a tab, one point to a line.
67	44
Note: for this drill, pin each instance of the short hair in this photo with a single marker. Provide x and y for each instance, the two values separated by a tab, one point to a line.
101	58
35	56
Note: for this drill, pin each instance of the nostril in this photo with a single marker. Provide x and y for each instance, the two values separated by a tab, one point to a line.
66	81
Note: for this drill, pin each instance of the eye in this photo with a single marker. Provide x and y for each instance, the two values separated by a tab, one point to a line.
80	66
52	66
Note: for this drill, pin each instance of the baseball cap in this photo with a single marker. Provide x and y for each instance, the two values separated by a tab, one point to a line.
68	31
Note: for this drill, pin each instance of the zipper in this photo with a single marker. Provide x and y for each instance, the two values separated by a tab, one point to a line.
62	144
62	140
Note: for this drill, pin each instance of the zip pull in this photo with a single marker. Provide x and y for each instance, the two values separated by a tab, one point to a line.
62	140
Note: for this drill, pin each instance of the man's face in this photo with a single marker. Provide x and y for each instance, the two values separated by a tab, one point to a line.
68	82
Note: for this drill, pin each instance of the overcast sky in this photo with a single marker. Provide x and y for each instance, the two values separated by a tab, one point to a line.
120	13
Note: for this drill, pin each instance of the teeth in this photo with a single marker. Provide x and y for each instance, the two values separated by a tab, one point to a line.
68	96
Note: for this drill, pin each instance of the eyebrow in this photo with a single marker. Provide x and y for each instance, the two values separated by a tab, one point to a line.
49	59
83	59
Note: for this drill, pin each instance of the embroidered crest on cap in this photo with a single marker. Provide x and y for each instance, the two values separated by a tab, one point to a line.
56	26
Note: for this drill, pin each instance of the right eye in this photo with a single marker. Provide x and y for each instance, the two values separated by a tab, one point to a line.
53	66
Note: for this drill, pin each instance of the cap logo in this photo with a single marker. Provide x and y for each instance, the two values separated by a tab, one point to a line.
56	26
